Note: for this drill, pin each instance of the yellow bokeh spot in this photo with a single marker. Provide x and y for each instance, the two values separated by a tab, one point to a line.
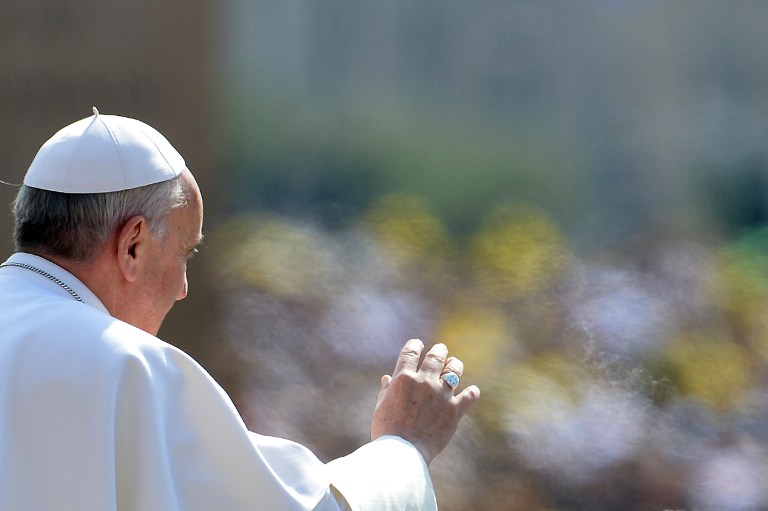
711	369
480	337
407	229
519	251
275	255
541	390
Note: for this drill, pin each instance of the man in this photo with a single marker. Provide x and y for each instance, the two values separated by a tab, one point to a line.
96	413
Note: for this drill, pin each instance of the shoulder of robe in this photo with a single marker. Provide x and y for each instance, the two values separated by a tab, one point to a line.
86	330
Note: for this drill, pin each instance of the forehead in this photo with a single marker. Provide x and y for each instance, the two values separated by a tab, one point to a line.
187	221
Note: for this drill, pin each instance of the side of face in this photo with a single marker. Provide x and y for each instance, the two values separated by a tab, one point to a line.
159	276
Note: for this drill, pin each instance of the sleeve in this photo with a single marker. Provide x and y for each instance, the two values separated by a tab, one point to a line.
386	474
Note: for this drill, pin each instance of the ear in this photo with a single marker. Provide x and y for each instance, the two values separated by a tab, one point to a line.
131	241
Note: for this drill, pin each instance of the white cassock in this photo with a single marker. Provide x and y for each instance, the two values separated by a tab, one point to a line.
97	415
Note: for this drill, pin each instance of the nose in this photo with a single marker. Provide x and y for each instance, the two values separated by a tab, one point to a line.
184	289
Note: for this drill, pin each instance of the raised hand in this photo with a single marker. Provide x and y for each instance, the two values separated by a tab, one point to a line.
416	404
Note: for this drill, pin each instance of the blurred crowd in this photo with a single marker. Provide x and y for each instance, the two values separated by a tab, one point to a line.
630	380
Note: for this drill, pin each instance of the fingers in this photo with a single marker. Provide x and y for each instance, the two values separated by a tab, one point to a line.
453	365
435	365
409	357
466	398
435	360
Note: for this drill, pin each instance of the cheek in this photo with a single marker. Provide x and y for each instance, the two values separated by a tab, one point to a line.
171	283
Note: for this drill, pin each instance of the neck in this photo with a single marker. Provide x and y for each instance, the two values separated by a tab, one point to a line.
92	272
77	268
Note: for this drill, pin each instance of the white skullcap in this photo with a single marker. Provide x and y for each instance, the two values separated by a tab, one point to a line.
103	153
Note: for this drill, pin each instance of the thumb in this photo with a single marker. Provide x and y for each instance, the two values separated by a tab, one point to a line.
385	381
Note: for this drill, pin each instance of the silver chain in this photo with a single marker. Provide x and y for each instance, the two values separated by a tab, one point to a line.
46	275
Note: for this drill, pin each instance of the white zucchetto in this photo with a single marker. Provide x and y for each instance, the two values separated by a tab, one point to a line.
104	153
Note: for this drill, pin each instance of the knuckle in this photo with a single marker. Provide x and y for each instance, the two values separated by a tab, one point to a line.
411	349
406	377
409	352
436	357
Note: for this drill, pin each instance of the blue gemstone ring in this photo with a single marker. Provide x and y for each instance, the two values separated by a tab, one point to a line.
452	379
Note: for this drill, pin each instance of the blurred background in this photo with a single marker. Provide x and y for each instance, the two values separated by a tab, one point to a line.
571	195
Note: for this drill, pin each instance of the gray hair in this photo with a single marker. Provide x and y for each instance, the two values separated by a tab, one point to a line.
74	226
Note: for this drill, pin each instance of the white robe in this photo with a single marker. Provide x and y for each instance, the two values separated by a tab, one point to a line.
97	415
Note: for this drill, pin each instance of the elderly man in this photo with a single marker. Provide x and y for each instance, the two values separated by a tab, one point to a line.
97	413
